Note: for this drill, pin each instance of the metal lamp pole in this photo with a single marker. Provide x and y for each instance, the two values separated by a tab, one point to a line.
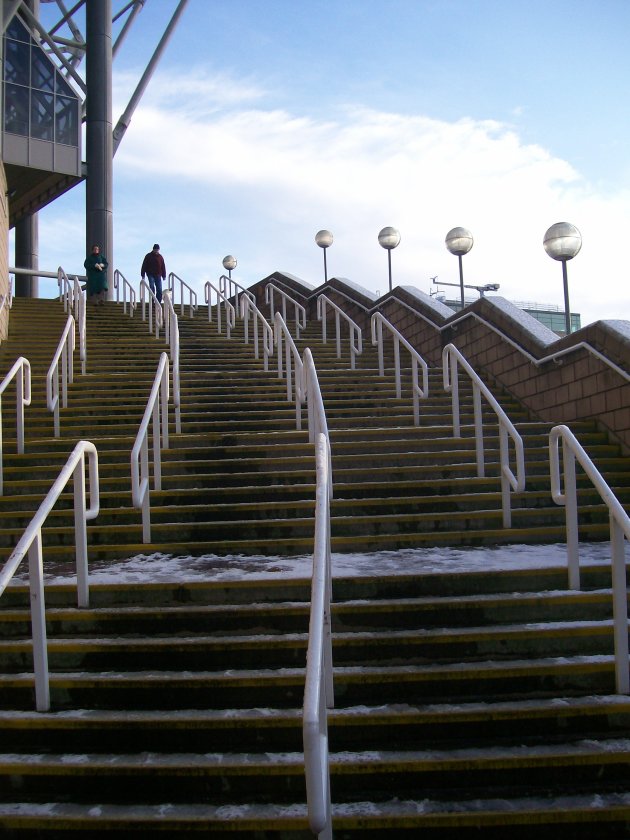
562	242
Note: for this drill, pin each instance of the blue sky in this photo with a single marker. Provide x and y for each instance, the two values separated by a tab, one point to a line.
267	121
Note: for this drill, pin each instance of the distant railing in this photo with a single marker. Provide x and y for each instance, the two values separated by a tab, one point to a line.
619	529
21	372
156	414
292	364
64	353
262	330
31	544
230	312
232	289
377	324
171	336
451	359
319	689
79	315
127	290
356	346
192	294
6	302
149	301
299	312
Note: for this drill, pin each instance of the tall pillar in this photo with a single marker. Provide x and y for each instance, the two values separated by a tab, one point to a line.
99	226
27	234
27	255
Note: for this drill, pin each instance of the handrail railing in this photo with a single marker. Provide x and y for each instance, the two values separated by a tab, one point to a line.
319	689
377	324
231	288
66	293
619	529
171	335
292	364
299	311
451	358
127	289
6	301
192	294
354	328
79	314
149	300
65	350
156	413
31	544
230	312
21	372
247	307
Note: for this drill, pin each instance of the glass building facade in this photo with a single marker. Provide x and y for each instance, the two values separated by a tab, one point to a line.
38	105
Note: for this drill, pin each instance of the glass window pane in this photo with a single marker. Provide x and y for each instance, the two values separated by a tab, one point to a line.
16	109
63	87
42	71
16	62
66	121
42	115
17	30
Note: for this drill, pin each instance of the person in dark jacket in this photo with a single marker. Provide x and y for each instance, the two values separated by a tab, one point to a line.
96	270
155	269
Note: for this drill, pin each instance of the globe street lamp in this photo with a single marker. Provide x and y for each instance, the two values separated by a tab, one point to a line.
229	263
389	238
324	239
459	241
563	242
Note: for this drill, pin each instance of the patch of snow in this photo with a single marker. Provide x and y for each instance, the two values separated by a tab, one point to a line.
168	568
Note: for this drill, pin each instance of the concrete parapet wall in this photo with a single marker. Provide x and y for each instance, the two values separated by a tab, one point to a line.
4	252
507	346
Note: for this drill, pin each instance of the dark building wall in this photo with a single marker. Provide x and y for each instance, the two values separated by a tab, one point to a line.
560	380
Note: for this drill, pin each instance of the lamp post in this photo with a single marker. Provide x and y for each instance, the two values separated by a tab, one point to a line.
459	241
563	242
324	239
389	238
229	263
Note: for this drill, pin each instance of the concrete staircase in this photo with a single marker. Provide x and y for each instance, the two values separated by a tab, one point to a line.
464	702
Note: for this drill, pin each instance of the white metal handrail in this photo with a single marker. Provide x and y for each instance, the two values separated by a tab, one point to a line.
127	290
451	359
171	335
248	308
6	301
192	294
230	312
231	288
156	414
318	688
149	301
64	352
356	347
291	362
619	529
299	311
79	315
66	290
31	544
21	372
419	393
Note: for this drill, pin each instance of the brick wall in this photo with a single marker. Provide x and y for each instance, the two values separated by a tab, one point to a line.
507	346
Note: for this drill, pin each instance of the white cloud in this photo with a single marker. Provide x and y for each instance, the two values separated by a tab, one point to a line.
284	176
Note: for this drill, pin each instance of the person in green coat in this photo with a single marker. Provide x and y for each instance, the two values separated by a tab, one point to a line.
96	270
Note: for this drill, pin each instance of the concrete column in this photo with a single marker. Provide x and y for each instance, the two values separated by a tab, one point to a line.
99	225
27	255
27	234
